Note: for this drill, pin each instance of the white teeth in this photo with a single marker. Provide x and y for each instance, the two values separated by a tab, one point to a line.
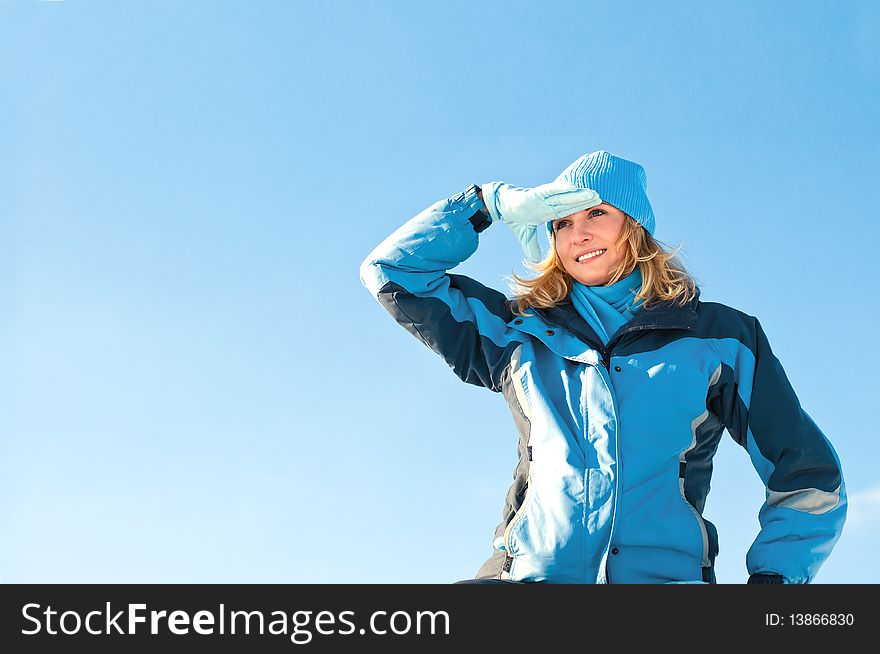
590	256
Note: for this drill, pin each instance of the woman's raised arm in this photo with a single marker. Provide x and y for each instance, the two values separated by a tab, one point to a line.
457	317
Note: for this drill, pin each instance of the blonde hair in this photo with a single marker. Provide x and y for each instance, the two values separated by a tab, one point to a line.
664	277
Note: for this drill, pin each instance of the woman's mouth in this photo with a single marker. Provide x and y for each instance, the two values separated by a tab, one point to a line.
589	256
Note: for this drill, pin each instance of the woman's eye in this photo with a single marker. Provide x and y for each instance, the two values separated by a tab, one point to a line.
599	211
561	224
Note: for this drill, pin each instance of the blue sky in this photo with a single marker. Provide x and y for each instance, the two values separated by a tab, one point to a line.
198	388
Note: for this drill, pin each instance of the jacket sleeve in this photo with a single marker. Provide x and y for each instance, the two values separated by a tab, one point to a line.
805	507
457	317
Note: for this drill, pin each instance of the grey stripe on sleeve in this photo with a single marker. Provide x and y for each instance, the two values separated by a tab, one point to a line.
809	500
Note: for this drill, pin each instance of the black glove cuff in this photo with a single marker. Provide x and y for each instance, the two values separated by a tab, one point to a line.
480	220
766	578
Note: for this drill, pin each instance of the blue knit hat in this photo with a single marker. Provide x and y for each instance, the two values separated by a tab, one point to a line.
619	182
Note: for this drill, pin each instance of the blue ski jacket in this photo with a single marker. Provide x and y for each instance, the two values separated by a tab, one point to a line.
616	442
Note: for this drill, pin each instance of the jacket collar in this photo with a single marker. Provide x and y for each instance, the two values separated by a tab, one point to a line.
665	315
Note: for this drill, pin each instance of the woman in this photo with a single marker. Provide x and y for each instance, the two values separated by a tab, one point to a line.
620	382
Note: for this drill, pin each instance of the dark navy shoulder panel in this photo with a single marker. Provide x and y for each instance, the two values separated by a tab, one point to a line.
477	357
495	301
716	320
706	320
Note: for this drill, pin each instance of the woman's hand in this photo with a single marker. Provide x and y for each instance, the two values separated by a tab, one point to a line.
524	210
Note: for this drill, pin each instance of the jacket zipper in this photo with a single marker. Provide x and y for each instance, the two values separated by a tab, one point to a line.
606	363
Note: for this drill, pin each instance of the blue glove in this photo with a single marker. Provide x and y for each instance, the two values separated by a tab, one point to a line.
524	210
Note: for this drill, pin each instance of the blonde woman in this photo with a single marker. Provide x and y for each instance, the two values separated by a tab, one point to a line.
620	382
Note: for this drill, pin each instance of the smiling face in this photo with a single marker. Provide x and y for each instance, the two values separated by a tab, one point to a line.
578	236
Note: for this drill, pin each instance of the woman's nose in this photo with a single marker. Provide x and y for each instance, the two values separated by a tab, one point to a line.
582	231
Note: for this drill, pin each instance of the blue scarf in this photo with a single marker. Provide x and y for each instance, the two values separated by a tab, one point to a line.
607	308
